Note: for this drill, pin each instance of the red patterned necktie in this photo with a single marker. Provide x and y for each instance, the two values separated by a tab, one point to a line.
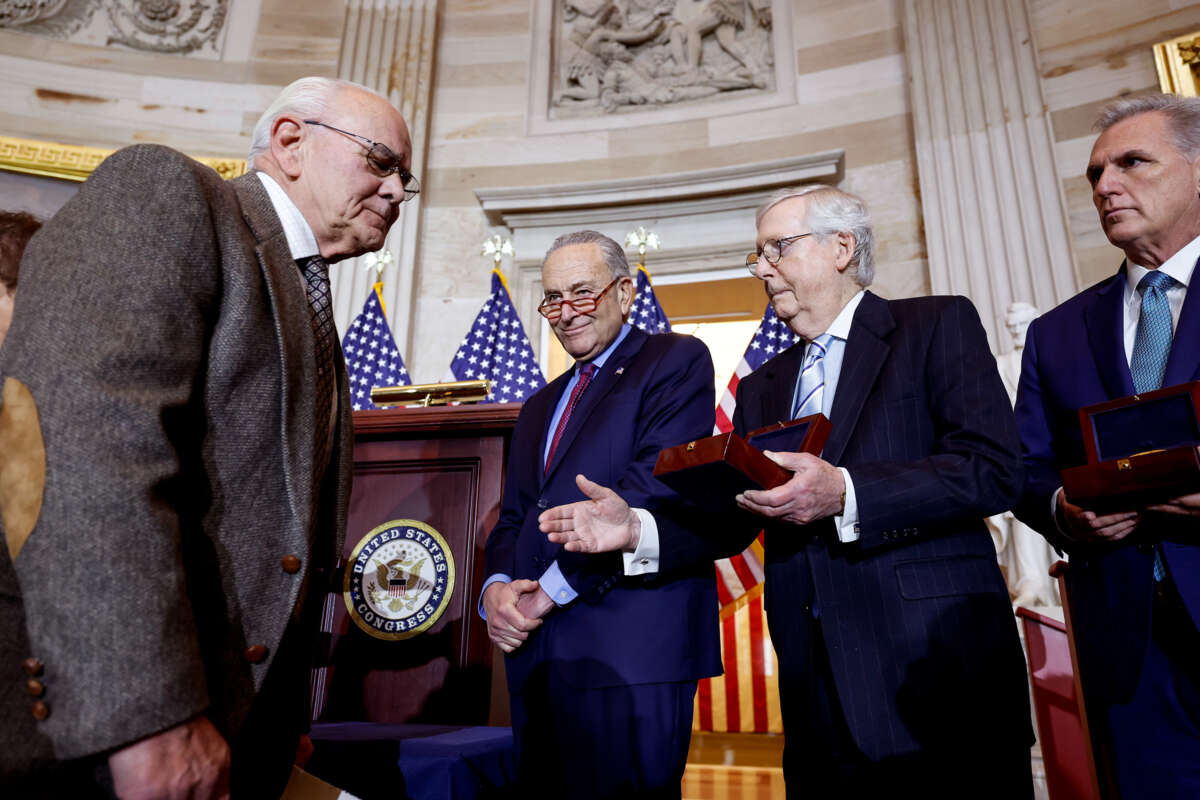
585	377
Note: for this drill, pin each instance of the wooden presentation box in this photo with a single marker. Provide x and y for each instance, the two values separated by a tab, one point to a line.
711	472
1140	450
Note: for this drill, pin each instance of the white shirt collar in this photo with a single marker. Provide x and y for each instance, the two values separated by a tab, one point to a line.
1178	266
300	238
840	328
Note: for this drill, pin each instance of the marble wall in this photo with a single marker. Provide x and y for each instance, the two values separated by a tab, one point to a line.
847	89
849	93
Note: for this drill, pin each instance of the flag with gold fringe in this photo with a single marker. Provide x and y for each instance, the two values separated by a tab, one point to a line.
746	698
497	349
646	313
372	358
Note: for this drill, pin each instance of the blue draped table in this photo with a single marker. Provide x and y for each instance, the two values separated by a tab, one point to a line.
381	761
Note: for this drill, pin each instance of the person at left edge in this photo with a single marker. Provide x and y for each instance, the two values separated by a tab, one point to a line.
177	403
603	654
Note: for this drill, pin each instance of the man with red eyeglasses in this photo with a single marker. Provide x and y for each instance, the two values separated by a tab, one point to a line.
603	654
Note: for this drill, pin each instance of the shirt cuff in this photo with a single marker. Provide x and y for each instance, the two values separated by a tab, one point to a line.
1054	513
499	577
847	522
556	587
644	559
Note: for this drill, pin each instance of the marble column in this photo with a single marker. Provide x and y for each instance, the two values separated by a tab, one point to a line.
388	45
994	214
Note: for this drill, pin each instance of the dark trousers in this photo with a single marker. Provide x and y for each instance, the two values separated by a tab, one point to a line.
1156	735
613	742
822	760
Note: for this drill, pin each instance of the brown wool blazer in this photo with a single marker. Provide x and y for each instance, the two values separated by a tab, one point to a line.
163	336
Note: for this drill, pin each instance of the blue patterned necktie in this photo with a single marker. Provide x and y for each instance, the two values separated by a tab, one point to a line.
1151	346
812	378
320	305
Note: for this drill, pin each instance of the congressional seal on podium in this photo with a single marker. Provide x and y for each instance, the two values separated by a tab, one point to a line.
399	580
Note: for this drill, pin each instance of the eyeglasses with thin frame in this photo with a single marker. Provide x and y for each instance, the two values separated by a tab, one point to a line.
772	251
382	160
552	309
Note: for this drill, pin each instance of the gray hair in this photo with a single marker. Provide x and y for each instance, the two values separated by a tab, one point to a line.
614	254
307	98
829	210
1182	113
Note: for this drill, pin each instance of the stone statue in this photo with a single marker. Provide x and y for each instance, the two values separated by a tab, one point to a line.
615	54
1025	557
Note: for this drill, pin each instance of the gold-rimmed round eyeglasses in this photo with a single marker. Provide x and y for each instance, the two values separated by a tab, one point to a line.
772	251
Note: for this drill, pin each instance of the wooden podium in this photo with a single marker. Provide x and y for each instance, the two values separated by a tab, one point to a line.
443	467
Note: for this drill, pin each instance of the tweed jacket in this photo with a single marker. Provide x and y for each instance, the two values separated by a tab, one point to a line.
162	359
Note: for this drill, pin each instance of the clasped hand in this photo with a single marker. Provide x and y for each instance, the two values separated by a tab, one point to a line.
815	491
514	610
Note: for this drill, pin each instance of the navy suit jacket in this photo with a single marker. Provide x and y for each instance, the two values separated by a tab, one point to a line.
1075	356
915	615
653	392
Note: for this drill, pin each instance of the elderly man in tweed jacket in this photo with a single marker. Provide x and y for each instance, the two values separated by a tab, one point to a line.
175	452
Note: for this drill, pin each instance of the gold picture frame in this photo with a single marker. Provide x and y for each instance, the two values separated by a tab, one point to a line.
71	162
1178	64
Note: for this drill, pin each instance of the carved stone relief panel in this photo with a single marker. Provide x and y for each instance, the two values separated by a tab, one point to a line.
600	63
185	27
612	55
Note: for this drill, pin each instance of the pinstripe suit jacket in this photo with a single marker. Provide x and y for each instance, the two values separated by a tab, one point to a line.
163	338
915	615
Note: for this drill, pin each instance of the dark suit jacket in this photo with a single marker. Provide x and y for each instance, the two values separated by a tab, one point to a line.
653	392
1075	356
163	334
915	614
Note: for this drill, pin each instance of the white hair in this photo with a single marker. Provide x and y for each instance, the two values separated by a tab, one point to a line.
307	98
829	210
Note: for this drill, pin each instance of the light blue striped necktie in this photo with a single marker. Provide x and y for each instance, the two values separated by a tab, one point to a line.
1151	347
811	390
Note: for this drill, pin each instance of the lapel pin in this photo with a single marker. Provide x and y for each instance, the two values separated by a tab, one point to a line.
618	370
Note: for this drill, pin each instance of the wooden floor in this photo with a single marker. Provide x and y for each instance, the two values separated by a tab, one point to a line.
734	766
746	766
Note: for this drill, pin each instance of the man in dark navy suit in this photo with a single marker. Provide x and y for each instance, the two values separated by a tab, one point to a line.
603	652
900	667
1134	581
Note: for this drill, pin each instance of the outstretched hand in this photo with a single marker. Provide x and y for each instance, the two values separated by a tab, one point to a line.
602	523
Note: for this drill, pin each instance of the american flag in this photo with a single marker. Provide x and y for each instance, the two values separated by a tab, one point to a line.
745	698
371	355
646	313
497	349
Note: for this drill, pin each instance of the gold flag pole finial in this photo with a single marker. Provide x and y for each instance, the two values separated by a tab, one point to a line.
498	247
377	261
641	239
